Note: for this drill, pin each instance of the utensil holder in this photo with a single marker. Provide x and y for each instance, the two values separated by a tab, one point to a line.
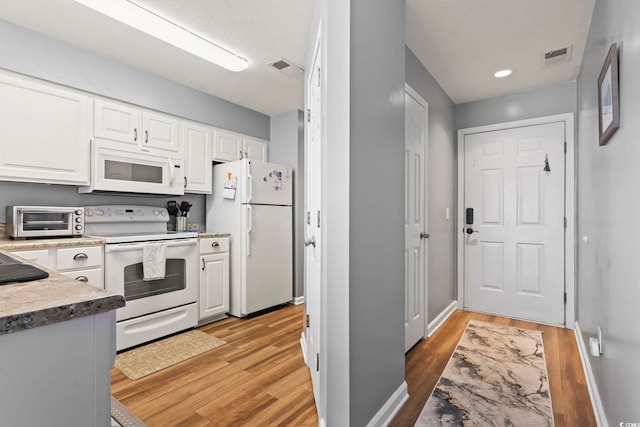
181	223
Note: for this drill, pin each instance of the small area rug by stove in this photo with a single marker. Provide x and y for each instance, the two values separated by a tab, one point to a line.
150	358
497	376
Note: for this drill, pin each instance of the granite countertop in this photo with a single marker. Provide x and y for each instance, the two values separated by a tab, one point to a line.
55	299
205	234
9	244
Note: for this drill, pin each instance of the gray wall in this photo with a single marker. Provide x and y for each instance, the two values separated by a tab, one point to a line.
287	147
30	53
442	190
608	206
376	208
547	101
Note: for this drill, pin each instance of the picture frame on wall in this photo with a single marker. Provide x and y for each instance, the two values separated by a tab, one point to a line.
608	96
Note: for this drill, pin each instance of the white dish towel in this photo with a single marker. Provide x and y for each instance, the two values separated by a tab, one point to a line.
154	261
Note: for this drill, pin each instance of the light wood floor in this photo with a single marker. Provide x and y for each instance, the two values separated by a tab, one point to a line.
569	395
259	378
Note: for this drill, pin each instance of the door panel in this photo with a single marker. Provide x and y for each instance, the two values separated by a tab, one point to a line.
268	183
514	258
415	219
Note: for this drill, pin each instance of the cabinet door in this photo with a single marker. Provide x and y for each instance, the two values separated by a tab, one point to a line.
160	131
116	121
197	158
227	147
44	133
255	149
214	285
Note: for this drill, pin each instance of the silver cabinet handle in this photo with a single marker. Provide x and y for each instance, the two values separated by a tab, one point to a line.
240	154
246	156
135	134
310	242
202	263
185	182
82	279
215	244
80	256
146	136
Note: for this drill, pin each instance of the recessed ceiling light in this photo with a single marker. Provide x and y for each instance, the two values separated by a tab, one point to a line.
503	73
160	28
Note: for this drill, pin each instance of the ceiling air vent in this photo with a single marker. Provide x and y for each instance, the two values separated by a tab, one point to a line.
556	56
285	66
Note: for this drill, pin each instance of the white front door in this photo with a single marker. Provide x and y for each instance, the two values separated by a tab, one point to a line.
415	217
313	238
514	191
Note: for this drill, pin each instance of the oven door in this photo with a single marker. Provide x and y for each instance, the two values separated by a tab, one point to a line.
123	275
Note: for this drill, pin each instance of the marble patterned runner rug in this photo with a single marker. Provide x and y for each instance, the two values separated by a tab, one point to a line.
150	358
497	376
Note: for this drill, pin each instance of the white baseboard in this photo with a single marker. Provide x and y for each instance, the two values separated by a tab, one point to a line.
391	408
596	402
441	318
303	345
298	300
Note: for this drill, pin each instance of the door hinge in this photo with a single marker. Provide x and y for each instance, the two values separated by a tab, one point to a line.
318	219
308	321
565	222
318	77
308	115
565	146
308	218
565	298
317	362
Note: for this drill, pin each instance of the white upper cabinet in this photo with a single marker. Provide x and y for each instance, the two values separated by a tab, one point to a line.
44	134
125	123
229	146
255	149
197	157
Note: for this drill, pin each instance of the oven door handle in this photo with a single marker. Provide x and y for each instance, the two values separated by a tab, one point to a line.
126	247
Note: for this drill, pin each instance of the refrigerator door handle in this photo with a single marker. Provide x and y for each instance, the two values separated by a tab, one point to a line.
249	187
249	228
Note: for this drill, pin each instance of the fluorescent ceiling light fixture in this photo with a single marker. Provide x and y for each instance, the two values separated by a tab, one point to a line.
503	73
162	29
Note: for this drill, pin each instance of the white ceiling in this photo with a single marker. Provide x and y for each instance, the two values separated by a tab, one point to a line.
462	43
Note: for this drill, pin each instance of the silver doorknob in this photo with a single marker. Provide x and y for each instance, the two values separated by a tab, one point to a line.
310	242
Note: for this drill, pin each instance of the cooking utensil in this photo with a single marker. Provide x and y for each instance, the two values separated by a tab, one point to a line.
184	207
172	208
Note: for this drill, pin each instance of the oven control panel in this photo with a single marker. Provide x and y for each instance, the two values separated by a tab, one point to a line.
125	213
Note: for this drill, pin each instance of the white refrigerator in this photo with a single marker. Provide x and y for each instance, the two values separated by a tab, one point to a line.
252	200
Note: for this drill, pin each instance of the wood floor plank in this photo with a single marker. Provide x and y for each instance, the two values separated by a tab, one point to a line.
259	376
426	361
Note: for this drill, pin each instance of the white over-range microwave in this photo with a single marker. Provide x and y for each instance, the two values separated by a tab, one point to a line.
120	167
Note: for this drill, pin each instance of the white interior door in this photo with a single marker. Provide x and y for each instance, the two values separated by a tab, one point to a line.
313	238
514	246
415	218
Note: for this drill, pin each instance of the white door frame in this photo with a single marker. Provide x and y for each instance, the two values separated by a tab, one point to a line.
570	203
425	283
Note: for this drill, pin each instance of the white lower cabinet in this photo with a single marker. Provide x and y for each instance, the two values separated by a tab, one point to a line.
214	278
82	263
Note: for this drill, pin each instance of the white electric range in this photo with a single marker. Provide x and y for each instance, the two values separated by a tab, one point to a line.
154	308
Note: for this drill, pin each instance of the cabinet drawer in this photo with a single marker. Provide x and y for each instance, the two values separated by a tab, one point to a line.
79	257
37	256
213	245
93	277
